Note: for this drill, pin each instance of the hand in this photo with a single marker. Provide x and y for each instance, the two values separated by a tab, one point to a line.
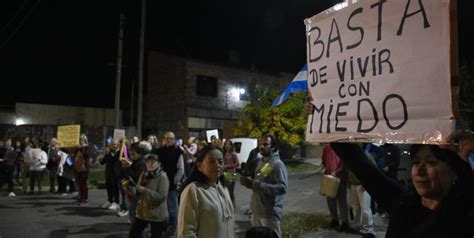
255	184
466	143
333	174
126	163
245	181
141	189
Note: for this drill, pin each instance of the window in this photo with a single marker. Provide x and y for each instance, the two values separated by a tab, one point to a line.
206	86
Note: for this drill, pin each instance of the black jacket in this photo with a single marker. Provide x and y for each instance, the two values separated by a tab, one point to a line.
408	217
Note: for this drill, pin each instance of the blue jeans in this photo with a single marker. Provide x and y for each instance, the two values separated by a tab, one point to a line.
172	210
123	201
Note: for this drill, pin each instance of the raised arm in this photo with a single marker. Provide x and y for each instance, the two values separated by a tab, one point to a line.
382	188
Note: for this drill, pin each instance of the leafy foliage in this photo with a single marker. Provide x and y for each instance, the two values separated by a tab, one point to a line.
286	122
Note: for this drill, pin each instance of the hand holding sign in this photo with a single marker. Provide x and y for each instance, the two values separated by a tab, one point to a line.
461	141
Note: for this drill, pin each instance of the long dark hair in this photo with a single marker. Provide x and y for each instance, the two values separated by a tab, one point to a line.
198	176
231	145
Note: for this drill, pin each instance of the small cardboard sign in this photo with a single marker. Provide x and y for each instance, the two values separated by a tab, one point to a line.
68	136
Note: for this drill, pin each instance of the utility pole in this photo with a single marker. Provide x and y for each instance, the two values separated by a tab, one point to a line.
132	101
119	72
140	70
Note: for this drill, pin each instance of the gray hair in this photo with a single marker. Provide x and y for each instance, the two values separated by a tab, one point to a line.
146	146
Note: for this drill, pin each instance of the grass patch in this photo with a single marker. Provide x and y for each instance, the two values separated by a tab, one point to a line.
294	224
301	167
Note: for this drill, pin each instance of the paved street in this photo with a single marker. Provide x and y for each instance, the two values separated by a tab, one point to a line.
59	216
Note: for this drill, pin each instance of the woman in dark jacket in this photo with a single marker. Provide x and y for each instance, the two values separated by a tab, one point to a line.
440	202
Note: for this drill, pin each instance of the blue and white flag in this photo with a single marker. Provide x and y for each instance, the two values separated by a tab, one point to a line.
299	84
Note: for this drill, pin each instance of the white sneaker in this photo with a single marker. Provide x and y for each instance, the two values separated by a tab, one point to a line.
114	206
105	205
122	213
11	194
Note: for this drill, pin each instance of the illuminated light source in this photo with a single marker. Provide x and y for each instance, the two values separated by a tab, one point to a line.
242	91
19	121
234	94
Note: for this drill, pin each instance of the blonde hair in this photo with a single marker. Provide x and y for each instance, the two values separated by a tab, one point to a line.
83	137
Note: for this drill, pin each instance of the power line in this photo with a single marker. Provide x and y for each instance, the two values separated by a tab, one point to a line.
20	24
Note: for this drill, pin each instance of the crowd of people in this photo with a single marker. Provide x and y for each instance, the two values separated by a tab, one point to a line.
30	159
181	189
176	188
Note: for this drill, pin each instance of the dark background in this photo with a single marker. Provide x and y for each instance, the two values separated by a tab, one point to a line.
64	52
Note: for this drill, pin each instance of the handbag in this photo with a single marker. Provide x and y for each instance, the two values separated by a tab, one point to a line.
329	186
79	163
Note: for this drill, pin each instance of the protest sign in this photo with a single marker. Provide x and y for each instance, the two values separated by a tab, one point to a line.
380	71
68	136
210	133
119	134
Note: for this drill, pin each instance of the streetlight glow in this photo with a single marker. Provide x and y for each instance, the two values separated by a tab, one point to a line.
19	121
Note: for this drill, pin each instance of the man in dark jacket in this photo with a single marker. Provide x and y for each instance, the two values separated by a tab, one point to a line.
7	161
132	170
53	162
171	160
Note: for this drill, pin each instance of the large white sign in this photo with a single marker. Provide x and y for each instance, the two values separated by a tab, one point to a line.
210	133
380	70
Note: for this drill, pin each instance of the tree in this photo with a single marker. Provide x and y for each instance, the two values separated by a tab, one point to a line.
287	122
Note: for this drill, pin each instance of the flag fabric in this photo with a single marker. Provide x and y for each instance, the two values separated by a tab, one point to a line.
298	84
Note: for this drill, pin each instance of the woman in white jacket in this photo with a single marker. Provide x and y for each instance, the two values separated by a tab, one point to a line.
37	160
206	209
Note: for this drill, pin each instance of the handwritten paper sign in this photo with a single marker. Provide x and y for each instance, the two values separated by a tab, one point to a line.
210	133
380	70
68	136
118	134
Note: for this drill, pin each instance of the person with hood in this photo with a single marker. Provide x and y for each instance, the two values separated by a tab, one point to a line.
206	209
151	192
269	187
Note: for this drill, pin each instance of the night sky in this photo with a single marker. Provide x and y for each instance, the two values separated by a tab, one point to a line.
69	48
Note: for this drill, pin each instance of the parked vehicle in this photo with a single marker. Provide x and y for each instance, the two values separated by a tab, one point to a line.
242	147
